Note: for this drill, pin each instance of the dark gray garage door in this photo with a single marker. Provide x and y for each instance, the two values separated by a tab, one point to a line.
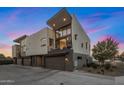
19	61
55	62
27	61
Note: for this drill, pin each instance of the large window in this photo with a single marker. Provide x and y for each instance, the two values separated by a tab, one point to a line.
68	31
82	45
64	42
63	32
43	42
57	34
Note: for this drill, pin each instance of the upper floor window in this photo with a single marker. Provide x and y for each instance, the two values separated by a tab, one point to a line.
86	45
43	42
79	58
68	31
57	34
50	42
82	45
60	33
63	31
89	47
75	36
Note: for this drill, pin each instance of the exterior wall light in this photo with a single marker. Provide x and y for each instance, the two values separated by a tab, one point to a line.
67	38
66	59
54	25
64	19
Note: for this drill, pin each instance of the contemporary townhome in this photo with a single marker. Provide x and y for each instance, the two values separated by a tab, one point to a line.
63	45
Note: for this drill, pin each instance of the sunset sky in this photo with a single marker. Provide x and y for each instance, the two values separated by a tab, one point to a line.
99	23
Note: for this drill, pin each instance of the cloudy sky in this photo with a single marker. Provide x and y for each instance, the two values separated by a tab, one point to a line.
99	23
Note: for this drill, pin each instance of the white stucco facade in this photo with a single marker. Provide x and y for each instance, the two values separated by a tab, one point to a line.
38	43
79	45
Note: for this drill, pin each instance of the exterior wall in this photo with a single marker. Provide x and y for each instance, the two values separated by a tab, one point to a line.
15	51
81	38
80	60
69	66
50	35
81	54
36	46
38	43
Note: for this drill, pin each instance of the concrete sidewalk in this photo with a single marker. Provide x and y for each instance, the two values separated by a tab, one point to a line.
27	75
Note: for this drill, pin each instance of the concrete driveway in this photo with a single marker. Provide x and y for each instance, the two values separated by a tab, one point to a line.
27	75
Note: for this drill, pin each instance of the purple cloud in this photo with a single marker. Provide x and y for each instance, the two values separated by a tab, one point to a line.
14	35
119	13
99	16
121	45
97	29
14	15
4	46
109	36
91	20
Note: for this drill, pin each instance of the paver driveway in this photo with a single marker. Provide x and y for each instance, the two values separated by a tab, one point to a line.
26	75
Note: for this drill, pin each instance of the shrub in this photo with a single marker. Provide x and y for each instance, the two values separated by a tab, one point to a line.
88	65
98	72
5	62
93	65
114	66
84	66
102	71
107	66
89	70
8	62
111	70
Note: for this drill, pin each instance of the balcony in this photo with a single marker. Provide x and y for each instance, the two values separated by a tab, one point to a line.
59	51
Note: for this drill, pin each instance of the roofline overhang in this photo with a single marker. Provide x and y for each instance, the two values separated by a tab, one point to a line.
57	14
20	38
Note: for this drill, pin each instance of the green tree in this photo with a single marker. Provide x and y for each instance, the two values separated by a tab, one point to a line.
122	56
2	56
106	49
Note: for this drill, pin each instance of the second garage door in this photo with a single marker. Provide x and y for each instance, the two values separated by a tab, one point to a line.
55	62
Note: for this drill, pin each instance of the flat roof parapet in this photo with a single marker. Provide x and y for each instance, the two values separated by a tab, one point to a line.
20	38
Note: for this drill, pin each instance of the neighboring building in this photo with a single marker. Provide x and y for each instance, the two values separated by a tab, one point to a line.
63	46
16	51
19	50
